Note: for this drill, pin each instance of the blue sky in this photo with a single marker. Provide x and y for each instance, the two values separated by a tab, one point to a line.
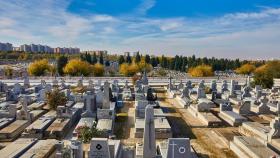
247	29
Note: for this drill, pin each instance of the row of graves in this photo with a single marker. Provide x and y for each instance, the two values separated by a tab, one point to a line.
151	124
34	130
254	111
144	96
195	100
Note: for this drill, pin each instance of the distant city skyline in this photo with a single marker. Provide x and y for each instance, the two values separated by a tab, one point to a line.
213	28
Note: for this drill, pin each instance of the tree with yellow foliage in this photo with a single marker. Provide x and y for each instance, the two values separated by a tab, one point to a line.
76	67
128	69
98	70
201	71
8	71
131	69
143	66
39	67
246	69
265	74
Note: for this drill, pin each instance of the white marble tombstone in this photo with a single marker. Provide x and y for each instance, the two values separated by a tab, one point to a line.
99	148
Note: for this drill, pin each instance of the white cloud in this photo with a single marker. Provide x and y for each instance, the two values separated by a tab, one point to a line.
145	6
232	35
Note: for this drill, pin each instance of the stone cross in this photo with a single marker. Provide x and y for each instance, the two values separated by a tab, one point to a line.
181	85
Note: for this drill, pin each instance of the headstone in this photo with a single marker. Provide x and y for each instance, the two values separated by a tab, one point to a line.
55	82
170	85
106	97
64	112
99	148
213	86
24	114
126	84
181	85
201	90
77	148
248	81
42	95
275	128
263	108
246	92
185	93
62	83
224	86
149	139
145	79
26	82
179	148
232	87
189	84
258	94
80	83
43	83
225	106
90	84
89	104
11	96
17	88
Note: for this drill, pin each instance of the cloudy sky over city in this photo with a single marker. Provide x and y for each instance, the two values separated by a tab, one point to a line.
219	28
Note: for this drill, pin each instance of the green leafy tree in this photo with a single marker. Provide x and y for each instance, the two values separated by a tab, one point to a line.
147	58
94	58
61	62
56	98
128	59
101	60
137	57
85	133
121	59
